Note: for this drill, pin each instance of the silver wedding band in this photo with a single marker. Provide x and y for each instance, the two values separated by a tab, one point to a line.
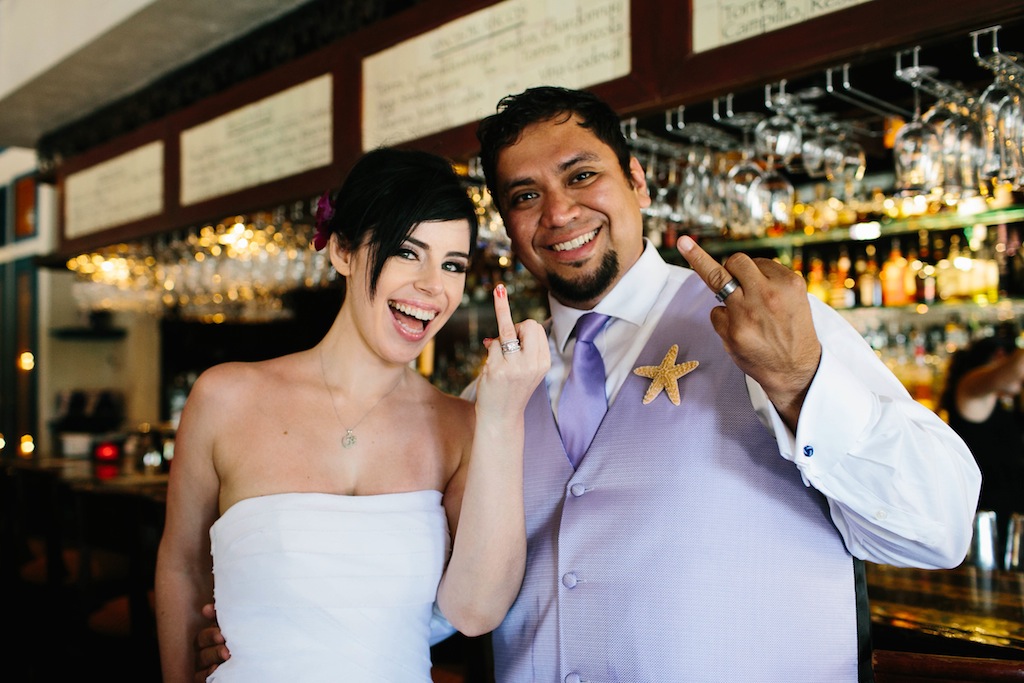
511	346
730	287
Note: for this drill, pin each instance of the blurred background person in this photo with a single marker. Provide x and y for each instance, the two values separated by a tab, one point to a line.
982	400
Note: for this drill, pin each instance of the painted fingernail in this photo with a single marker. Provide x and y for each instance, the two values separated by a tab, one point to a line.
500	292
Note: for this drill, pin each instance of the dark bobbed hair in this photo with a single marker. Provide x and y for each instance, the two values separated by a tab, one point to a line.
544	103
387	193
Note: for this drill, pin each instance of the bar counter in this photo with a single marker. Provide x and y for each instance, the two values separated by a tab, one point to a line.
957	607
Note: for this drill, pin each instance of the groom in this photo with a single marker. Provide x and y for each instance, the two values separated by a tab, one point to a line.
753	451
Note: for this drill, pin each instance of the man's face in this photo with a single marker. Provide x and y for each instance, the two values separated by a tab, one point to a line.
573	216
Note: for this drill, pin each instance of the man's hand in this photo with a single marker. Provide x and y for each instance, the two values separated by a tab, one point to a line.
210	648
765	324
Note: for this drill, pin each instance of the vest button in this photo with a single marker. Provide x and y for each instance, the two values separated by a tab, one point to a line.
578	490
573	678
569	580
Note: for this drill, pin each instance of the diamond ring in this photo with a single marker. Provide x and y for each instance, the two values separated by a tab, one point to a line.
511	346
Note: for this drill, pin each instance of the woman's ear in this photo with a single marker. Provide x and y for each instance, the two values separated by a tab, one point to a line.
341	258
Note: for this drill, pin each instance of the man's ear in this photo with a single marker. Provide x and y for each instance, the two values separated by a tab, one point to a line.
639	180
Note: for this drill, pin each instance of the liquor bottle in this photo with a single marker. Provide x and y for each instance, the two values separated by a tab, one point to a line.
869	286
841	285
859	265
921	373
925	273
798	262
949	281
926	284
985	276
817	282
942	266
894	291
910	275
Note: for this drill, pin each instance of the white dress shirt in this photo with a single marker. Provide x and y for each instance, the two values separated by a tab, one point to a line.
901	485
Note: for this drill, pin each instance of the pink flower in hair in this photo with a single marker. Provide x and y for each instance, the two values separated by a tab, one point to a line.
324	214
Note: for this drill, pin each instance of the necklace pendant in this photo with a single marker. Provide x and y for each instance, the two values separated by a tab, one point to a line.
348	440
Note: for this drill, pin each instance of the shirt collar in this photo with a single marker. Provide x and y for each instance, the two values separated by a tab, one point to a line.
631	299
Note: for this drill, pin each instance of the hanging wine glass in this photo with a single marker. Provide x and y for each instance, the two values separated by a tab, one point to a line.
1010	123
704	206
741	221
778	139
970	155
999	109
654	213
812	152
853	167
833	161
778	136
961	141
771	197
945	121
917	154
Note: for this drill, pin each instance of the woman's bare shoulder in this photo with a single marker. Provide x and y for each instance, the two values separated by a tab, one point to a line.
248	378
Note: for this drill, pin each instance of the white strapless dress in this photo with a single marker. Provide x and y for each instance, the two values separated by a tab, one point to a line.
316	587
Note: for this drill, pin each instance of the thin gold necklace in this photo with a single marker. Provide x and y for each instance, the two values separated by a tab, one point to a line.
349	439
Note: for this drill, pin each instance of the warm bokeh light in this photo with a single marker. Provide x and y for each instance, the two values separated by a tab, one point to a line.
26	361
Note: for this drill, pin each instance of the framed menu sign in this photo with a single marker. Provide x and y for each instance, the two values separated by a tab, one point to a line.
123	189
276	137
721	22
456	73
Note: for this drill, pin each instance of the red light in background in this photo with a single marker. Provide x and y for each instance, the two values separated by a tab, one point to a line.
107	451
107	471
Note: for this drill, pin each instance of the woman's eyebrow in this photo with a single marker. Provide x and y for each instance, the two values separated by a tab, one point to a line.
426	247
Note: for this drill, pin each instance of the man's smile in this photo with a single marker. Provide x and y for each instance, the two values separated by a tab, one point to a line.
576	242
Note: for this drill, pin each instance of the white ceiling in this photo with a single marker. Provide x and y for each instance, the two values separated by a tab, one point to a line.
111	49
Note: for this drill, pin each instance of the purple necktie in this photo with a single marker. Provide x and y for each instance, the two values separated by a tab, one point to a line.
583	404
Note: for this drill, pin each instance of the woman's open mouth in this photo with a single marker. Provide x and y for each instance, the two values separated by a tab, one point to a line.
411	318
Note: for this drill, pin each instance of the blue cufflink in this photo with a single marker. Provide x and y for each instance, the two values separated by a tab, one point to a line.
808	451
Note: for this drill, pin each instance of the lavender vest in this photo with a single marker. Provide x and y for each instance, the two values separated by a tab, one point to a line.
684	548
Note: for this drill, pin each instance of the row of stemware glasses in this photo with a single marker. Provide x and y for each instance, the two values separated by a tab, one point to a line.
238	269
960	146
965	144
716	183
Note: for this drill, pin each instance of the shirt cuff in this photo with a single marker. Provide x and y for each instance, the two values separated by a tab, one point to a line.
834	415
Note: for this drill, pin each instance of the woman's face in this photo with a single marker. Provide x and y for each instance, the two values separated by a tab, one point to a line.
419	288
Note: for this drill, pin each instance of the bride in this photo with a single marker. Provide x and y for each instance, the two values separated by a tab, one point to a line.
330	500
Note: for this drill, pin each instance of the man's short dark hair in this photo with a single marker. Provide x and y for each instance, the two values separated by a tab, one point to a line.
516	112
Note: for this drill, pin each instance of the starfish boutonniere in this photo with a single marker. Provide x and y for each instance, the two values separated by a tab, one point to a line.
665	376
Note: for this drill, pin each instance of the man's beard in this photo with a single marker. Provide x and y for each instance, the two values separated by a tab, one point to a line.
585	289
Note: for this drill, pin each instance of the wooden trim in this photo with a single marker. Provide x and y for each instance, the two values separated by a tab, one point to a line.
799	50
911	667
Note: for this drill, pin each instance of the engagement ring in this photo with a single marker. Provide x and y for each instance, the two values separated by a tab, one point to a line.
510	346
